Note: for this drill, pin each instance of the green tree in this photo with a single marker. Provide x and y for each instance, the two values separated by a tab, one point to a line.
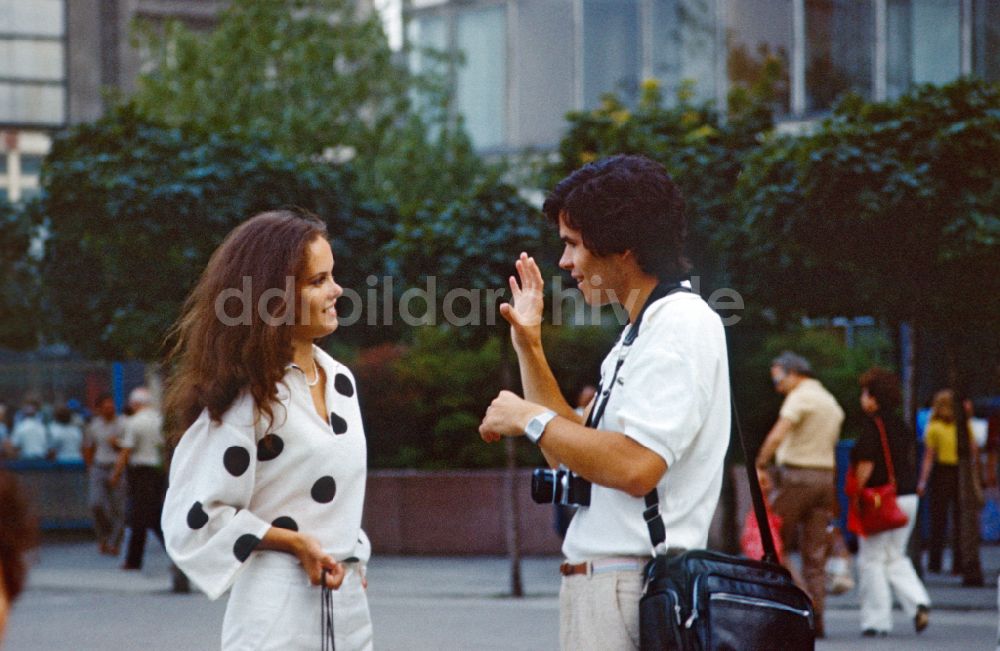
20	309
308	77
890	209
133	209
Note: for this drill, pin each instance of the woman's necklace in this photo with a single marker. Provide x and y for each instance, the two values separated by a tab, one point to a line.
315	372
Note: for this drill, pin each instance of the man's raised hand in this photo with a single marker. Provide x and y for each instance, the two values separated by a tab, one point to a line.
524	312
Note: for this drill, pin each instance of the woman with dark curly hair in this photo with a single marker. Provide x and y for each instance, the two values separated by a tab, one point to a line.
883	565
267	480
18	534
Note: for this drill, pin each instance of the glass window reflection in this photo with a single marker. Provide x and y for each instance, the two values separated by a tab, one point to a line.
482	78
612	60
840	43
758	36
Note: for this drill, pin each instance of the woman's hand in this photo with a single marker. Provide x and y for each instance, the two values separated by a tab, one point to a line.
524	312
314	560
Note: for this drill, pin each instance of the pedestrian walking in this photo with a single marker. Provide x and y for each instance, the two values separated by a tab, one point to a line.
267	480
106	496
803	442
883	565
141	458
940	472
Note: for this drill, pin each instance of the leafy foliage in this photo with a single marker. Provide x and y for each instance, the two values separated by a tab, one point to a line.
20	310
134	209
310	76
890	209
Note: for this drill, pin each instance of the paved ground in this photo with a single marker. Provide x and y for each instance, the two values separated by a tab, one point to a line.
80	601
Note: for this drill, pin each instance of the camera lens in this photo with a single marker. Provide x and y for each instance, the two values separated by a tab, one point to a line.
543	485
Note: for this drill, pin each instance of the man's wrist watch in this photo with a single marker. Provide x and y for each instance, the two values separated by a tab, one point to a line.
536	426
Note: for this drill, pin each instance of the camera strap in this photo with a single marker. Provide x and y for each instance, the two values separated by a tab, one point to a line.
654	521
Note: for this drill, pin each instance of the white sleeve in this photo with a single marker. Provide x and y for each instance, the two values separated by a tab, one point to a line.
208	530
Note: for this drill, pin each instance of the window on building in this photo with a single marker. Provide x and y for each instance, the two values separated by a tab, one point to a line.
479	35
839	45
21	155
924	43
612	58
481	79
683	43
986	39
541	72
759	32
32	62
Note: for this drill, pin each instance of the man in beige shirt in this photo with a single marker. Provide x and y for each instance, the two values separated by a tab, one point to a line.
803	442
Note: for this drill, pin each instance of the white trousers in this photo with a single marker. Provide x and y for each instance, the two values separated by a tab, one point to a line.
600	612
272	606
882	562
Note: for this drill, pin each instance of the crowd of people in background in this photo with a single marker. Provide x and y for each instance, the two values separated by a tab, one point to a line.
35	431
798	458
123	453
124	456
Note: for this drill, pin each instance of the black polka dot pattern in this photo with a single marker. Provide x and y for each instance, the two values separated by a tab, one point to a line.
338	424
269	447
343	385
245	544
237	460
285	522
197	518
324	489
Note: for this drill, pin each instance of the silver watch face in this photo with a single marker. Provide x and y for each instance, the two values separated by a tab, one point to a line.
534	429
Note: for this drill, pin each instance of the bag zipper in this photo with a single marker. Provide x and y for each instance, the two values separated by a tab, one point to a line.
677	606
755	601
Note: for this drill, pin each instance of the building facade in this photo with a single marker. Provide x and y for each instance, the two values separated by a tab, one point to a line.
525	63
60	61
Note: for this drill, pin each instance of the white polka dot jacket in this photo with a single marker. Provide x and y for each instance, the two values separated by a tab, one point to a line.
231	481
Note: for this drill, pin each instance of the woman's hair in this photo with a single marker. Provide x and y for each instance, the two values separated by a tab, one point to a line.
882	385
18	534
223	344
943	406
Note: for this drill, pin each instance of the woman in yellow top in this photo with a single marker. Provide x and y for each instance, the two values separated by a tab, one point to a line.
941	457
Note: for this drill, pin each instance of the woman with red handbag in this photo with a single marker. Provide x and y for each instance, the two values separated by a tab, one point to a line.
884	458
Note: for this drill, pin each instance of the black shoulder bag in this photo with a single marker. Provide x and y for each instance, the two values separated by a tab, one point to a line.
705	600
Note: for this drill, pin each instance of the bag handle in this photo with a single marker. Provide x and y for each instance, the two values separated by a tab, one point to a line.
885	450
326	615
756	494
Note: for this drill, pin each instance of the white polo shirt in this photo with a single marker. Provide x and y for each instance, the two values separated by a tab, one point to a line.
671	396
230	482
144	437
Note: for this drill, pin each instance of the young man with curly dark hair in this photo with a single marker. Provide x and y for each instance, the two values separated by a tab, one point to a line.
662	432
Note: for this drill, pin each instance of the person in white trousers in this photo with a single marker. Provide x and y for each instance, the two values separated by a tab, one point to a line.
267	481
883	564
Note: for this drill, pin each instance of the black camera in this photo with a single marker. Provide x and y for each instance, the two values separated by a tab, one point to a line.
561	486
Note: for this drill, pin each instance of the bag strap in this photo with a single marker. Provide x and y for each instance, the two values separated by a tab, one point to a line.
756	495
654	521
326	616
885	449
662	290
